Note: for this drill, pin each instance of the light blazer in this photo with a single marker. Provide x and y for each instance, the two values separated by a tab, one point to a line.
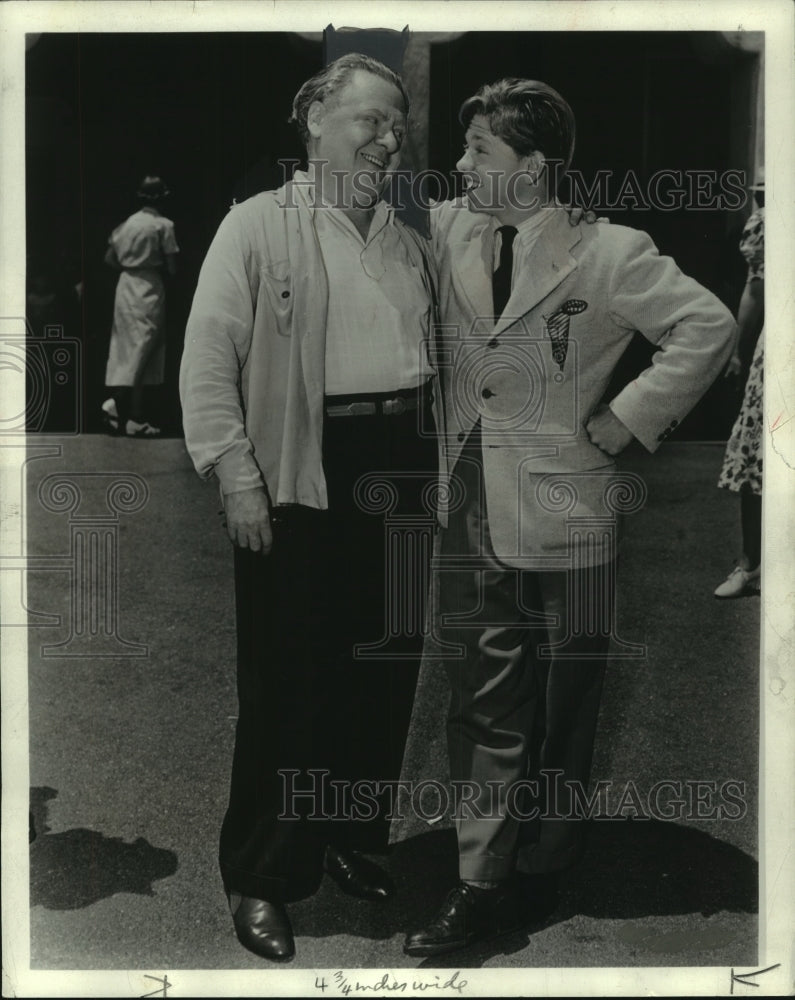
597	283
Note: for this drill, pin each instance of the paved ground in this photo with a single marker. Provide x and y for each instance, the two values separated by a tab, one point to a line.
130	755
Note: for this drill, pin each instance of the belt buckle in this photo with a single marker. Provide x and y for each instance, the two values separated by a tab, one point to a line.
361	409
394	406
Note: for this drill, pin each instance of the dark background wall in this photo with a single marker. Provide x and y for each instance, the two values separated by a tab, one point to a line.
209	112
206	111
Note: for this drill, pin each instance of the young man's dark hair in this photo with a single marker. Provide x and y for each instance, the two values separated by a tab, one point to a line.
527	114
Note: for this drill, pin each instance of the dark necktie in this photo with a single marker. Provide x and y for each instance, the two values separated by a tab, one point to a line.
501	279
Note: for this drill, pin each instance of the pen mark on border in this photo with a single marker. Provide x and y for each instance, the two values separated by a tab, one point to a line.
742	977
163	991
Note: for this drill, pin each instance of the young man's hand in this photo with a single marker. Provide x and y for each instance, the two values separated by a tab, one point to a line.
577	214
248	522
607	432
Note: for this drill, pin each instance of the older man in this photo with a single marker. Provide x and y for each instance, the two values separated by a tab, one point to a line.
305	371
538	313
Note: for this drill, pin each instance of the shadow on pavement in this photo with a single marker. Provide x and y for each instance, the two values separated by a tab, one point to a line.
78	867
646	868
630	870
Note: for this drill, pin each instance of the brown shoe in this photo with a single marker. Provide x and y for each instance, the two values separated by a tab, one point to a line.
262	927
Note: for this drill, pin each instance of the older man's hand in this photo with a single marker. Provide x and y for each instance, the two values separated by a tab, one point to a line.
607	432
248	520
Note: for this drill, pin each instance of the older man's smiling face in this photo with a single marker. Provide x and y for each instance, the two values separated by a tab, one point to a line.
358	131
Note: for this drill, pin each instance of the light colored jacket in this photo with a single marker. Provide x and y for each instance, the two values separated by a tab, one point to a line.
253	367
600	283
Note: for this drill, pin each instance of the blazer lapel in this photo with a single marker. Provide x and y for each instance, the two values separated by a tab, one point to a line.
548	264
471	264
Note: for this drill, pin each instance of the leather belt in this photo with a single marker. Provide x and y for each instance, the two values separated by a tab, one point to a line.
386	405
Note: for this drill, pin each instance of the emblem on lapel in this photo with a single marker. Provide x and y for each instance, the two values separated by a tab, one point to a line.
558	328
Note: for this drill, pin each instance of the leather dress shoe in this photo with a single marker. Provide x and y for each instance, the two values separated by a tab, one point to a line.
469	914
262	927
357	875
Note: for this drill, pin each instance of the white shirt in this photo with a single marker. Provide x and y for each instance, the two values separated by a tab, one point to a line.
378	308
527	235
144	239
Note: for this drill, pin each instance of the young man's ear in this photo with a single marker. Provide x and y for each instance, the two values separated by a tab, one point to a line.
534	164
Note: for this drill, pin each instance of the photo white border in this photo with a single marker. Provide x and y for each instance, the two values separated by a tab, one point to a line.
777	677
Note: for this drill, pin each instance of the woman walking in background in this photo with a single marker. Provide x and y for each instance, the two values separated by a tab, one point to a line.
742	465
141	248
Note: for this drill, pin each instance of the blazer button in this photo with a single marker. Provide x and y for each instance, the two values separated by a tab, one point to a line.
285	295
492	342
461	435
674	423
660	437
487	393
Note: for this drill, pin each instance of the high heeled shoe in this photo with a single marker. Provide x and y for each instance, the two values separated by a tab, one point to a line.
740	582
110	416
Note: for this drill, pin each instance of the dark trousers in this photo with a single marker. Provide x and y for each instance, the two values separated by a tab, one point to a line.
311	710
522	716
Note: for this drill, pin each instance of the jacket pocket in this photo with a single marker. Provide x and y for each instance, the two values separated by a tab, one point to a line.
276	280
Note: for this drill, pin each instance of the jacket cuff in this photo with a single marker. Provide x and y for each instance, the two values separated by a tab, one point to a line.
649	435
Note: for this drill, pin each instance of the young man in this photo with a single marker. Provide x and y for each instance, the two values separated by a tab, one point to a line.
305	369
537	314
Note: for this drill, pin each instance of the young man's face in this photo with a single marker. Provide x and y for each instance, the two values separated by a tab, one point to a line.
358	132
496	178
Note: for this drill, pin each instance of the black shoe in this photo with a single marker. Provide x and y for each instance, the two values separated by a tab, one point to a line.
467	915
539	894
262	927
356	875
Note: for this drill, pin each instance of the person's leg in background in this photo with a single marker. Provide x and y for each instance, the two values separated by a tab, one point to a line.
751	522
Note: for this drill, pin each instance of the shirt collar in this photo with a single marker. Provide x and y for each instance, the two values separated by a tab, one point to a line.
383	214
528	231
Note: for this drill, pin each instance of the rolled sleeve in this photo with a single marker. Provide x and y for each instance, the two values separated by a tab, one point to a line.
170	238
